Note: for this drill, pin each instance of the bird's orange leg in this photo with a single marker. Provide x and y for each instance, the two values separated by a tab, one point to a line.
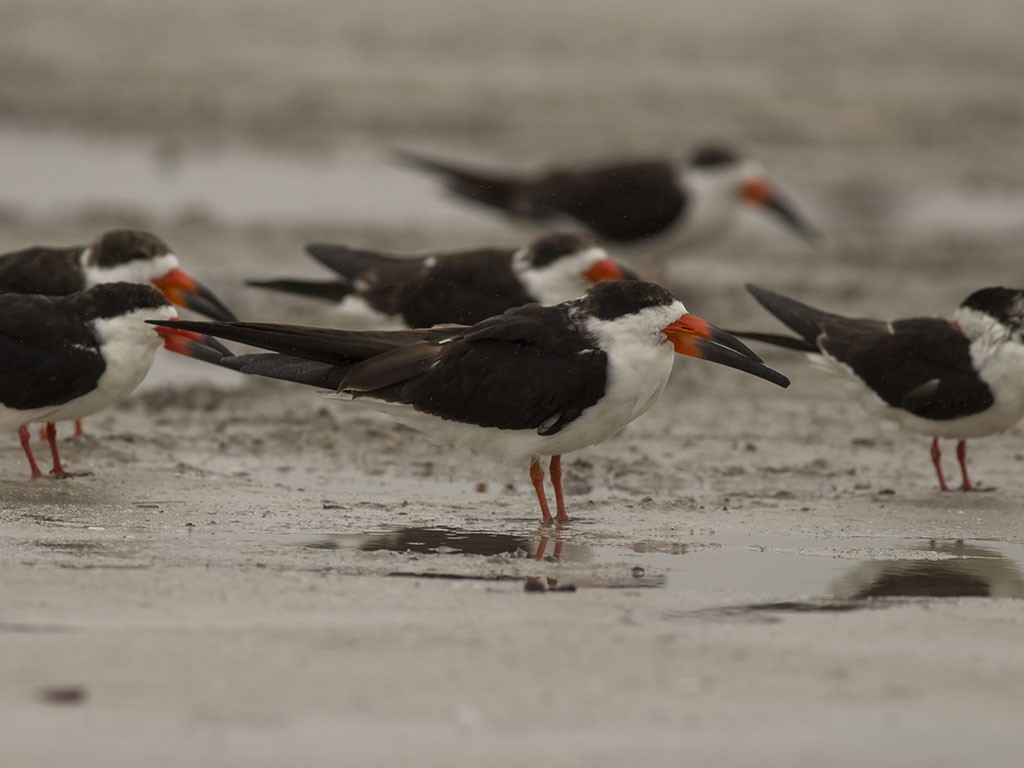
537	476
58	471
936	460
961	456
555	471
79	431
25	440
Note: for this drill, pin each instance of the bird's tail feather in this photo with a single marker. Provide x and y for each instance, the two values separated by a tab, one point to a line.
325	345
347	261
804	320
327	290
506	192
286	368
778	340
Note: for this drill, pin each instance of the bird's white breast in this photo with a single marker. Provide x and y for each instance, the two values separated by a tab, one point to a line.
129	346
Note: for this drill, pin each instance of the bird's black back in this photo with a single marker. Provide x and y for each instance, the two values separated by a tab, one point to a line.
50	356
530	368
923	365
621	202
462	288
42	270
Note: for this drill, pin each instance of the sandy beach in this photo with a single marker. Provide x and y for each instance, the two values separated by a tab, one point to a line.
254	575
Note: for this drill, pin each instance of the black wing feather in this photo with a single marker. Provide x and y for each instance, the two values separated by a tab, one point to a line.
621	202
922	366
50	357
463	288
531	368
804	320
286	368
326	290
514	194
326	345
42	270
347	261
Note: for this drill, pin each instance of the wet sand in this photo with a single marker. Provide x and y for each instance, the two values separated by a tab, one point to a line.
254	574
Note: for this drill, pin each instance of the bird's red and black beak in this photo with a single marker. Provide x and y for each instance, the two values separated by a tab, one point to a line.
692	336
192	344
183	290
762	192
605	269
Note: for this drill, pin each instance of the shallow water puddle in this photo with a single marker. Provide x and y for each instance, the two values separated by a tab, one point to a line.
782	568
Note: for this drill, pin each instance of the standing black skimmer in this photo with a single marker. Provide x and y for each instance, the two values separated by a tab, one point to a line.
454	287
120	255
535	381
689	200
959	378
68	357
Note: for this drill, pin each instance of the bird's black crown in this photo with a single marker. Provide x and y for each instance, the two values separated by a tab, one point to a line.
1004	304
713	156
114	299
547	249
120	246
611	299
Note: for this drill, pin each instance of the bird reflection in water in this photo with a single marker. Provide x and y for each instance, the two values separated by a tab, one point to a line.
969	571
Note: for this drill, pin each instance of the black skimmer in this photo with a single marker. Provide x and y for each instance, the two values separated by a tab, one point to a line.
688	199
960	378
120	255
535	381
68	357
117	256
454	287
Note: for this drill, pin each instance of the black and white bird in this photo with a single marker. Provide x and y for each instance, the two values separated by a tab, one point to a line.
68	357
416	291
535	381
117	256
959	378
685	200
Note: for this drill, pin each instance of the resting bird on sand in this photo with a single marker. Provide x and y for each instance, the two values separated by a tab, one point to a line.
453	287
119	255
958	378
535	381
685	200
68	357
